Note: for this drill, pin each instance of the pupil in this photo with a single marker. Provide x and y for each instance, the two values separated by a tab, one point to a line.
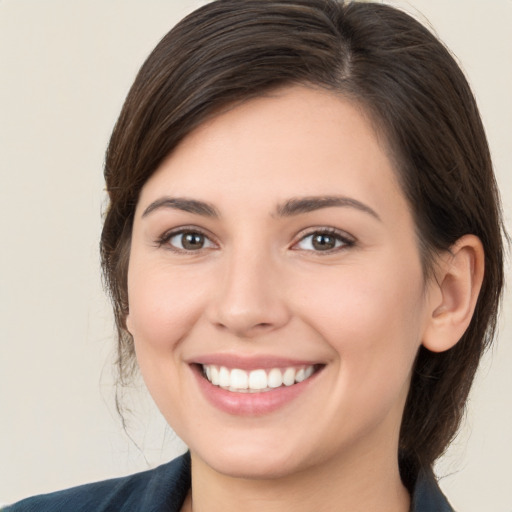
193	241
324	242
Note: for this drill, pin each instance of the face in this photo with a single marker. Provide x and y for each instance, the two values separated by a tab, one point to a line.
276	293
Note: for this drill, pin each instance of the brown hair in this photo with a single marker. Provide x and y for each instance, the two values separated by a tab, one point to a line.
419	100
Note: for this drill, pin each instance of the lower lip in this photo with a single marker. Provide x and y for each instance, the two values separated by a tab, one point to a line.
250	404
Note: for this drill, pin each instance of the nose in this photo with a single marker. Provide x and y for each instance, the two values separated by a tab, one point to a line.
250	299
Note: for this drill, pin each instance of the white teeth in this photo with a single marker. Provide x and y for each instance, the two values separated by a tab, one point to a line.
289	377
224	377
214	375
275	378
256	380
239	379
300	376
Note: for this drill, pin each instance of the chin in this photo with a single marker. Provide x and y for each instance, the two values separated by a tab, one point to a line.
252	461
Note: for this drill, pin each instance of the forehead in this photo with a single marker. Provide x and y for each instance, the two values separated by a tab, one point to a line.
295	141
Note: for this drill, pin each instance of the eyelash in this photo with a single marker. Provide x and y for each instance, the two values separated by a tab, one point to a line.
345	241
169	235
341	238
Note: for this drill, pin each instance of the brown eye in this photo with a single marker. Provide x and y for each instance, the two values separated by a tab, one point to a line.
324	241
190	241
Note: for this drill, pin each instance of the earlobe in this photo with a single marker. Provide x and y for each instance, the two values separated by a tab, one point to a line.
459	279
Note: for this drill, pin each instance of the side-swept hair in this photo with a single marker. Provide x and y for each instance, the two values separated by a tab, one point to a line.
419	102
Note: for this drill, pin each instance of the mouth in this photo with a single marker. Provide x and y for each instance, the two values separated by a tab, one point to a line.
253	386
259	380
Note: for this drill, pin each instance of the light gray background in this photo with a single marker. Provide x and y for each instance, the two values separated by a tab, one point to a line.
65	67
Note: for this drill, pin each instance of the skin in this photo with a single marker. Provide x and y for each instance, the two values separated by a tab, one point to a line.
258	286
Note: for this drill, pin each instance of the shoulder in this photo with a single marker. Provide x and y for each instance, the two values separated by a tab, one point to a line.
427	496
159	489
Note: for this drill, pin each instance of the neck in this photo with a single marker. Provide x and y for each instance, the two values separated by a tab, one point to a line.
368	483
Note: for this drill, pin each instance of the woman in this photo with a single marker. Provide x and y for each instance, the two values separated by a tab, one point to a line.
303	248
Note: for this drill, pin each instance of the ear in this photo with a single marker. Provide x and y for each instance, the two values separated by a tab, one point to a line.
453	295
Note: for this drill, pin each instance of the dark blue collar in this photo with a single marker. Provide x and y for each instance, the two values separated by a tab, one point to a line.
165	488
427	496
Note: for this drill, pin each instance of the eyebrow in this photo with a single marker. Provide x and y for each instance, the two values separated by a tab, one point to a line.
184	204
296	206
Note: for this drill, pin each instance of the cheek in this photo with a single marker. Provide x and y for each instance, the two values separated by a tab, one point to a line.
163	306
361	301
373	321
163	309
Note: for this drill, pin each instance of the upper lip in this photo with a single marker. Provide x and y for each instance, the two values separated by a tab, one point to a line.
263	362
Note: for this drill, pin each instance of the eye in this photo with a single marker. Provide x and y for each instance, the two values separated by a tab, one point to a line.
187	240
323	241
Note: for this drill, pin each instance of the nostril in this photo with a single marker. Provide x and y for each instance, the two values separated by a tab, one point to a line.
245	330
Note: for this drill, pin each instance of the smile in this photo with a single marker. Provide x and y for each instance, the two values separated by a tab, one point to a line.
253	386
256	381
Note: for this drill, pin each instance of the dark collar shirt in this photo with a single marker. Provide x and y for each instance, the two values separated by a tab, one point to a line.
165	488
